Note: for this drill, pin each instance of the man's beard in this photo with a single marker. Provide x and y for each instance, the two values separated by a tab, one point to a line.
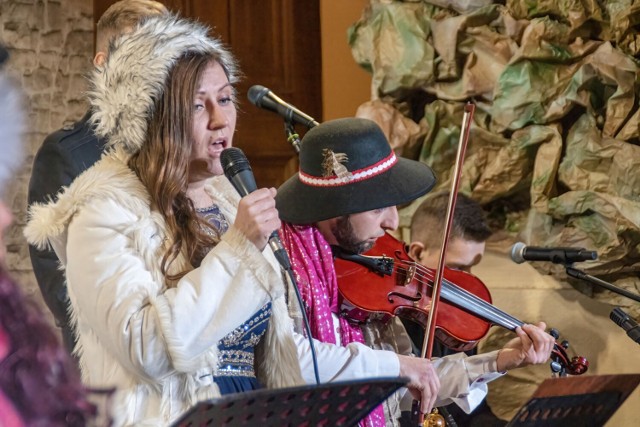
346	238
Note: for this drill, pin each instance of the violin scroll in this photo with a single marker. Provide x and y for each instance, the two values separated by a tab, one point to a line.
561	365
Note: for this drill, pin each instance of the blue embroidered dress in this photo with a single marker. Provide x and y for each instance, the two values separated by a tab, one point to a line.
235	371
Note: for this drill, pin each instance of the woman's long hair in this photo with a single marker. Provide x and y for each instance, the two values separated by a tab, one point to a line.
37	374
162	164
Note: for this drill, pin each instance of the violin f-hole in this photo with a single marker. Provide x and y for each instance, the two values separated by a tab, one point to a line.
413	299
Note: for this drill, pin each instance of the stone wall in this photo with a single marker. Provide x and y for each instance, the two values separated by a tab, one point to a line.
51	47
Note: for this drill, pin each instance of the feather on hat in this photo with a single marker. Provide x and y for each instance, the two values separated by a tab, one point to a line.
347	167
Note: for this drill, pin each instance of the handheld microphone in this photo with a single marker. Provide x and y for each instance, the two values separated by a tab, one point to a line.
623	320
262	97
238	171
521	253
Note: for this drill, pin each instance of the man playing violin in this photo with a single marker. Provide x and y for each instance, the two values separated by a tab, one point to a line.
465	249
345	194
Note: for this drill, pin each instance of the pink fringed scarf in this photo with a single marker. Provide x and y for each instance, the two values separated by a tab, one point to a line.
312	263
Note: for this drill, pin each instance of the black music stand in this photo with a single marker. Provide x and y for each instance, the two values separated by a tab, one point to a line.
582	401
332	404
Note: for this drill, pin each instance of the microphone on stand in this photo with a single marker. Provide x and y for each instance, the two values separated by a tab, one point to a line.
238	171
521	253
262	97
623	320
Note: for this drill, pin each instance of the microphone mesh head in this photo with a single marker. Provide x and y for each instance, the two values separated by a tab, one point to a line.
517	251
256	93
233	161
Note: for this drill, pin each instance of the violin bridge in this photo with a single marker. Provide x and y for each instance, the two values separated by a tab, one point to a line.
411	272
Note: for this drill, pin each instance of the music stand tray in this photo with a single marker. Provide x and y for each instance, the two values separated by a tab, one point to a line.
582	401
331	404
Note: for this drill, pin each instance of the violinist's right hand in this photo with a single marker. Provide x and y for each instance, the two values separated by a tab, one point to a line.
257	216
423	380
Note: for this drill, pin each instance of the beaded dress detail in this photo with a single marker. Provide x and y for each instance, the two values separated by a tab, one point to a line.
215	217
235	371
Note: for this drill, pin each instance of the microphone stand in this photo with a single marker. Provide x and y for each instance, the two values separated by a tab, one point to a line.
618	316
579	274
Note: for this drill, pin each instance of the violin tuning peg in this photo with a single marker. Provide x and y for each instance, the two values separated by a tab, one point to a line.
555	367
565	344
554	333
579	365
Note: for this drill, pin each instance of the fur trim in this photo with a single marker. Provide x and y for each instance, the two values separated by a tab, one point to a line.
279	365
124	91
110	178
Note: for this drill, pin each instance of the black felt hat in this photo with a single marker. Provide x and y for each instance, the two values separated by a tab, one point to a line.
347	167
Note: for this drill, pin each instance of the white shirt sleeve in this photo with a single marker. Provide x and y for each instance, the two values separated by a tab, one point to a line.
336	363
463	380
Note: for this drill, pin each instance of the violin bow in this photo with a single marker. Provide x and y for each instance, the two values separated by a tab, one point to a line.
427	345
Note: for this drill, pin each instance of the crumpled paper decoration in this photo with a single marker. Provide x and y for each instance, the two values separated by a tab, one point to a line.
556	88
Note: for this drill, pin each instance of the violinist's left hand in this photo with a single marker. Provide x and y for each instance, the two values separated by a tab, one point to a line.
532	347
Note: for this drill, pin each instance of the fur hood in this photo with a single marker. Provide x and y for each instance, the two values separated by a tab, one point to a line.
124	91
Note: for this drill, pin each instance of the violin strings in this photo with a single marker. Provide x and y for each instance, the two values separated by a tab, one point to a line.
483	307
471	298
451	291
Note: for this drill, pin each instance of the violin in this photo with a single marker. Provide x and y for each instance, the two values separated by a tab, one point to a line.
386	282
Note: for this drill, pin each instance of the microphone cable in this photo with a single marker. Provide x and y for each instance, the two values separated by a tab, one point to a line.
307	327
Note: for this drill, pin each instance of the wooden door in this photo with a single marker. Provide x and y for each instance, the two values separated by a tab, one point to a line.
277	43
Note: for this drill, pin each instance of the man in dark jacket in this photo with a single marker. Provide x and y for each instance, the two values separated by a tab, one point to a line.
68	152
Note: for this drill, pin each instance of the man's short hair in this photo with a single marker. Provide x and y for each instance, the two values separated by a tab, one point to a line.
123	16
428	221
